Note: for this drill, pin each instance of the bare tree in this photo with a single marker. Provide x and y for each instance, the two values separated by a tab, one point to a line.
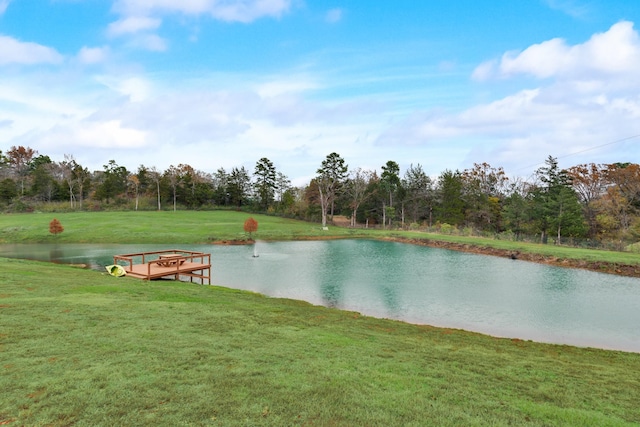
356	189
66	166
156	177
134	184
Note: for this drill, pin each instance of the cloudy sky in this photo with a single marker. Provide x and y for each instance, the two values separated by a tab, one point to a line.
222	83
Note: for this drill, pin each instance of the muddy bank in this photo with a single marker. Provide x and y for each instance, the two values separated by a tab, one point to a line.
601	267
233	242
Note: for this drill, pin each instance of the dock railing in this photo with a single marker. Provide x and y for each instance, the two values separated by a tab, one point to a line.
165	263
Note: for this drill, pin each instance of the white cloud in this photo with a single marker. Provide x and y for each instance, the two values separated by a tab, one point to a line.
109	134
13	51
151	42
91	143
225	10
93	55
207	124
587	96
189	118
614	52
542	60
334	15
3	6
277	87
484	71
572	8
140	18
140	28
136	89
132	24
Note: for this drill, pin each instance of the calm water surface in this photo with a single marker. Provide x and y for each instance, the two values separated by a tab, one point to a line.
491	295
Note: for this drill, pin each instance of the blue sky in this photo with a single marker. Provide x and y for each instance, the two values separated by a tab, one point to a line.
222	83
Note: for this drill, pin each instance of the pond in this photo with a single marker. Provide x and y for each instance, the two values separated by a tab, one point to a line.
416	284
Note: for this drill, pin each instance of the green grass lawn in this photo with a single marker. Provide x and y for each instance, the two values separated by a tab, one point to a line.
78	347
152	227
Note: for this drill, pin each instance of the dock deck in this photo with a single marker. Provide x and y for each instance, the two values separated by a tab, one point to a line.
171	263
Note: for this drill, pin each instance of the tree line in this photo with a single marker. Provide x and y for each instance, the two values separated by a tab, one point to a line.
598	202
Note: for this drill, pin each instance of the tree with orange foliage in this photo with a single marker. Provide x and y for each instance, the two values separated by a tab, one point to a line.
250	226
55	227
589	183
19	160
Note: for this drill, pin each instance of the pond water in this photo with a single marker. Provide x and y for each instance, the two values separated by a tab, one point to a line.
491	295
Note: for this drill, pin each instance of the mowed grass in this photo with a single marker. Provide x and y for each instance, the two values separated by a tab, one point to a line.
78	347
174	228
152	227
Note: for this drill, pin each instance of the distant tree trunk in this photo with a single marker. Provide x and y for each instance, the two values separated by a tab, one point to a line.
71	197
81	196
559	235
323	205
174	199
384	215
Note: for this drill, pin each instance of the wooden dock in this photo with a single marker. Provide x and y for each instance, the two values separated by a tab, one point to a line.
171	263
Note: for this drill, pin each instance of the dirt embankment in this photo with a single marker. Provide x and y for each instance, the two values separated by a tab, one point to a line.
602	267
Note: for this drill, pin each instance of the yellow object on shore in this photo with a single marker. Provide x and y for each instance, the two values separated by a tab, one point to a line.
116	270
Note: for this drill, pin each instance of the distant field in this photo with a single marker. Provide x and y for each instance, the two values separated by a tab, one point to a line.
78	347
153	227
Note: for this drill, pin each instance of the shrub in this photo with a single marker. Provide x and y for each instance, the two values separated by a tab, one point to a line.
55	227
250	226
447	228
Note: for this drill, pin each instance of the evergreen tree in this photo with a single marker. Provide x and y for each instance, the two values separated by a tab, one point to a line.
265	182
113	181
238	186
419	188
450	207
555	204
390	184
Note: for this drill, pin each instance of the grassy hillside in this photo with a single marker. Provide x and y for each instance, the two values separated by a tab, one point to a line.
152	227
78	347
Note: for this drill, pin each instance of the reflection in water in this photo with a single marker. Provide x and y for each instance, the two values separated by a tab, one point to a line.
417	284
391	257
331	282
56	253
390	300
561	280
330	293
